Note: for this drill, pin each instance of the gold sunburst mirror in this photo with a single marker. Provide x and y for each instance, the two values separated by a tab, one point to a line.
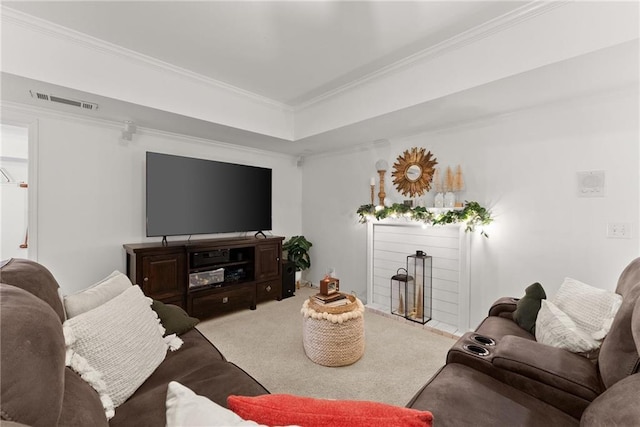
413	172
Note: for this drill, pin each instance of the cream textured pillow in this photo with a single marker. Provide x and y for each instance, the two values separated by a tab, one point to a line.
592	309
121	341
555	328
185	408
96	295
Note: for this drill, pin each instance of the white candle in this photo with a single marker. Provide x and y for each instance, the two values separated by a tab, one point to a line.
373	181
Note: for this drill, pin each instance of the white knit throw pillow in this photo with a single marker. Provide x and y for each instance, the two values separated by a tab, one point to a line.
592	309
119	343
555	328
96	295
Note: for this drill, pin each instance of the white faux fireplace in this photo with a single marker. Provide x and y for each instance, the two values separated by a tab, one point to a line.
389	241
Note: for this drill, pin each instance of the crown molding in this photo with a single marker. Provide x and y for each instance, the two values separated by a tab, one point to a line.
37	112
473	35
30	113
524	13
54	30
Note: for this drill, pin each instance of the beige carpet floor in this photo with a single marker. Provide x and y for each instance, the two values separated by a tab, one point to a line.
267	343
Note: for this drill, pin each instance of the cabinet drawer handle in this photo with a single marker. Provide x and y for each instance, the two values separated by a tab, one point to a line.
268	288
146	279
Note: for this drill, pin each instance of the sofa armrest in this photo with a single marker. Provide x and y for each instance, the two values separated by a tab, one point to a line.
566	381
503	307
551	366
617	406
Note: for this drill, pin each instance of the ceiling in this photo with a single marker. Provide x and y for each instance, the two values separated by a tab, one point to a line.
293	53
290	52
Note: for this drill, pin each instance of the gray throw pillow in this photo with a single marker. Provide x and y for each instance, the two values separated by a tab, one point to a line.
528	306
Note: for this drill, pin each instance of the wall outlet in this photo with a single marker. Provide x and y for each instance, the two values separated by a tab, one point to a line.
619	230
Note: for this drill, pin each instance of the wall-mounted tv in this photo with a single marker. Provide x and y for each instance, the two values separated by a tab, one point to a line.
188	196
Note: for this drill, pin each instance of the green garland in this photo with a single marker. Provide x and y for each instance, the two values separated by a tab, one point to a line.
472	214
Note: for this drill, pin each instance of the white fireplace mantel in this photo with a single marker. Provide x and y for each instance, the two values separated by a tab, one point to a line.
390	241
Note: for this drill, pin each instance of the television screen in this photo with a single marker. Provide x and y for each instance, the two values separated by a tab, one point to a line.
194	196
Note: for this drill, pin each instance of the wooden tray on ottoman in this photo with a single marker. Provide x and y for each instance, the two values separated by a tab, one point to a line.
350	306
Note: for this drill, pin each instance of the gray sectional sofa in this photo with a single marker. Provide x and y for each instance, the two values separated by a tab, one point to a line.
499	375
37	388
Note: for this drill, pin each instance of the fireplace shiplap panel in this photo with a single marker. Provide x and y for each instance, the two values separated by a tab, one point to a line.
389	246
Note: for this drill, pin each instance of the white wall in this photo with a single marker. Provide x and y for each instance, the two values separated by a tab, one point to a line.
523	167
91	192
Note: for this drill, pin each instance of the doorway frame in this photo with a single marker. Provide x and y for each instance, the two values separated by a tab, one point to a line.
32	165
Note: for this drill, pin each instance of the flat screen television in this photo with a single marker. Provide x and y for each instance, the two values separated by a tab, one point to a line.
188	196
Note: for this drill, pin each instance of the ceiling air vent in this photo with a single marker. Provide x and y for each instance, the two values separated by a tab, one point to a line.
73	102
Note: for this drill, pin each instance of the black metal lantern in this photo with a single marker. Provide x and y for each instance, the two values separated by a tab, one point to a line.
399	284
418	296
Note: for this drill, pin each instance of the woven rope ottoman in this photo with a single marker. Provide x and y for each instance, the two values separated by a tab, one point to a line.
333	336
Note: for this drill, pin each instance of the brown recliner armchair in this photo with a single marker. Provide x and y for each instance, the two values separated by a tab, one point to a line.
499	374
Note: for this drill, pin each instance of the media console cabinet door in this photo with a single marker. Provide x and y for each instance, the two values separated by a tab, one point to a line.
164	275
268	261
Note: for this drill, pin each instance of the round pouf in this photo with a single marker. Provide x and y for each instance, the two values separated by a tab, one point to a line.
333	339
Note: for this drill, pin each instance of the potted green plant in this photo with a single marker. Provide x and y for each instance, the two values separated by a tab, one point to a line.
297	249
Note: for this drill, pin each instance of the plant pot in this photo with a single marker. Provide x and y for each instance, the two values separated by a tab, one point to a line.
298	277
